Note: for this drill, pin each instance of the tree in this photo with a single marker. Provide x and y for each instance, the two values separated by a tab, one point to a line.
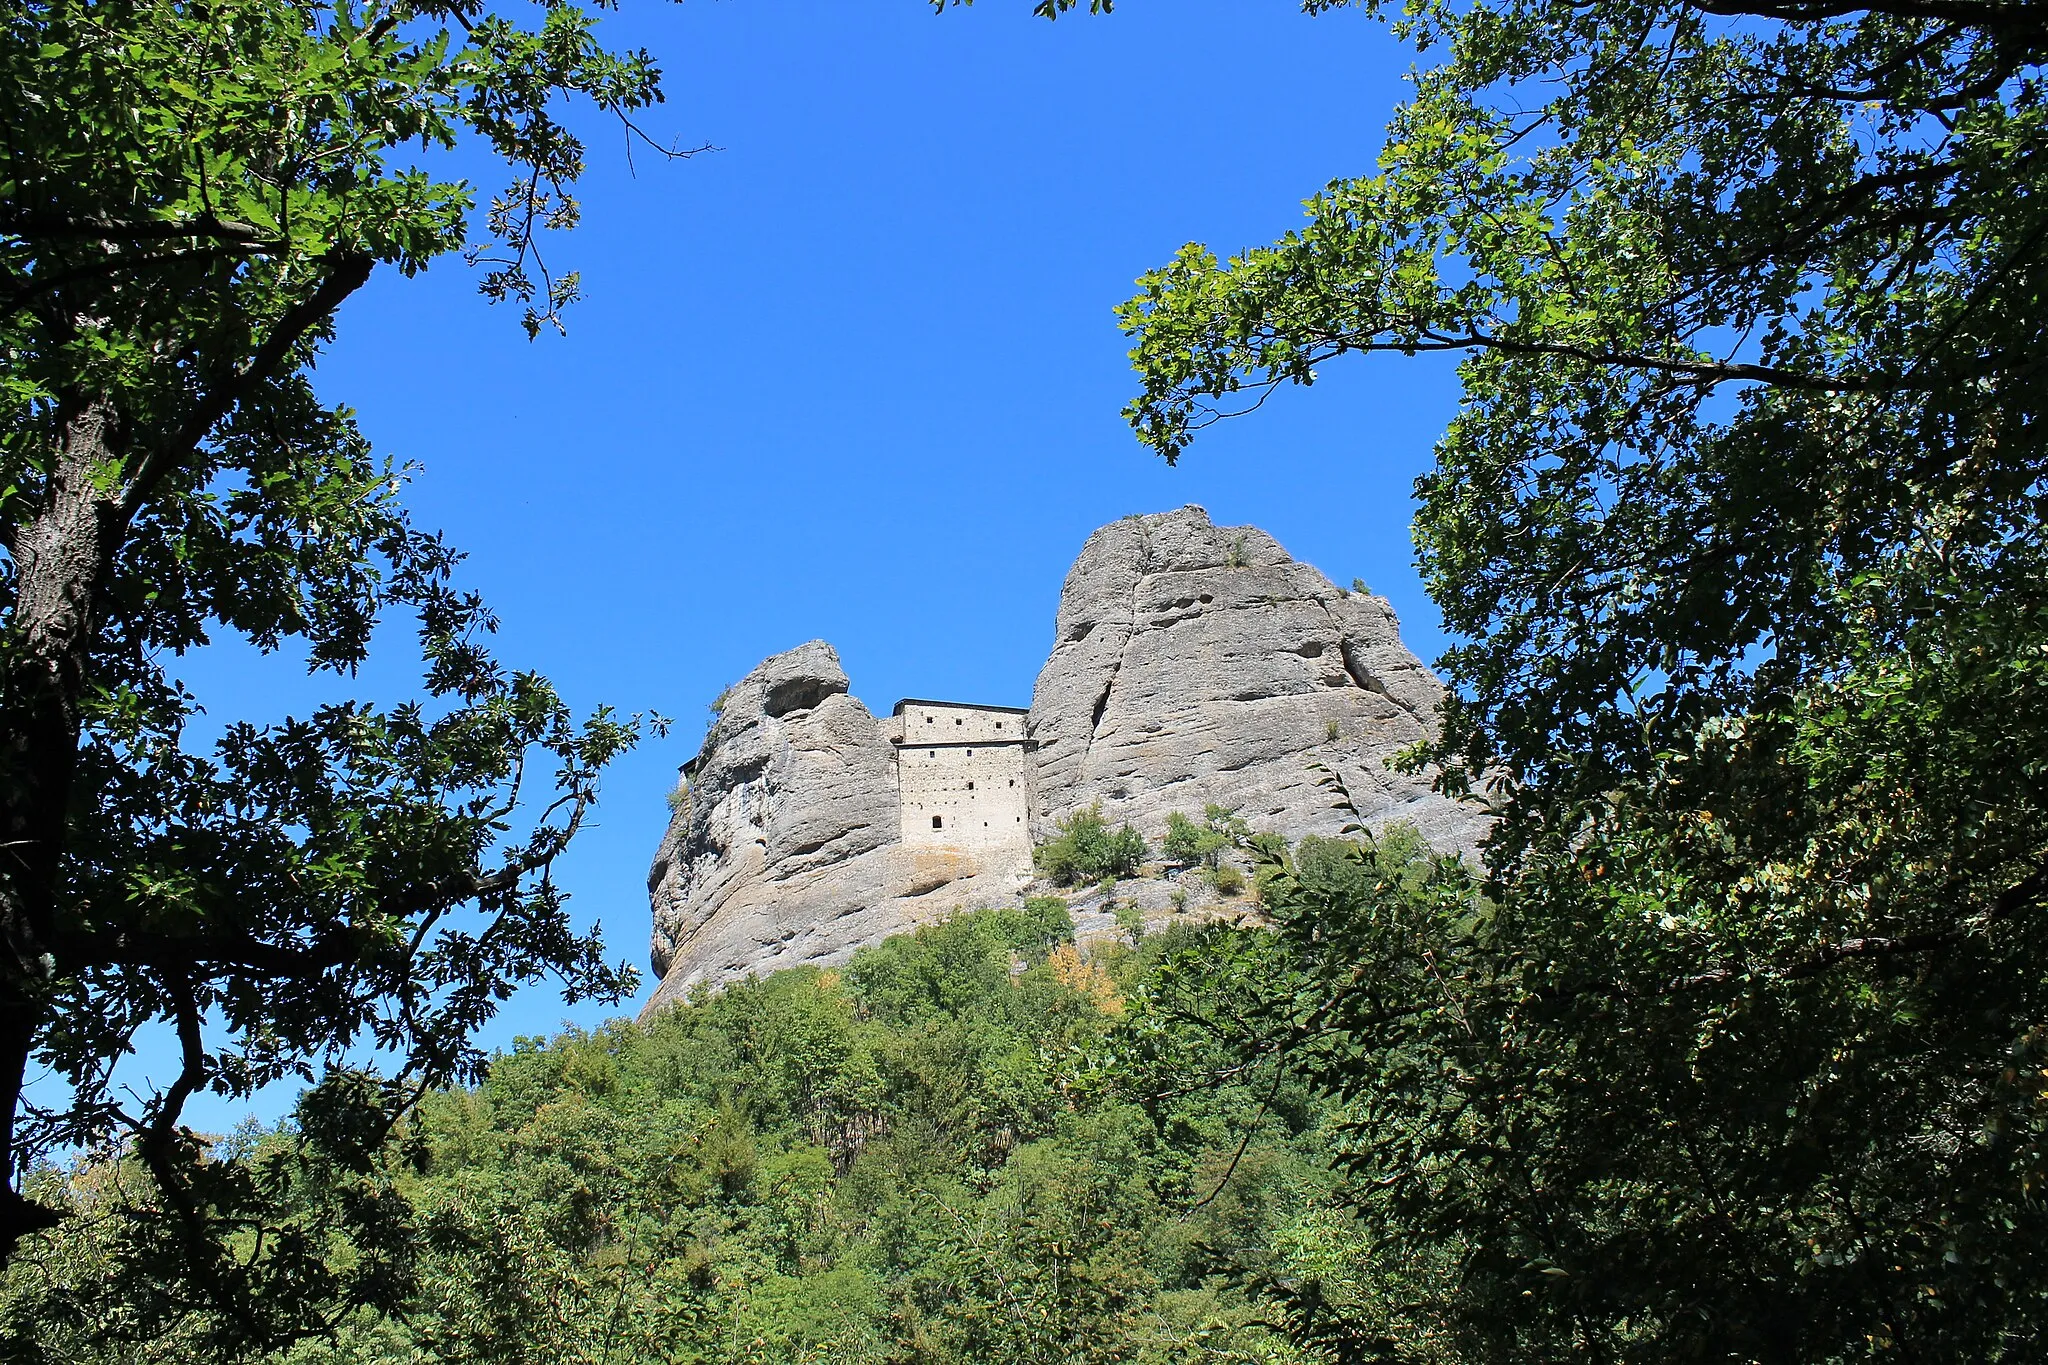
190	193
1188	843
1741	520
1083	848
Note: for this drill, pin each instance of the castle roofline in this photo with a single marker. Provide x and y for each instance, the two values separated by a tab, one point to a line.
958	706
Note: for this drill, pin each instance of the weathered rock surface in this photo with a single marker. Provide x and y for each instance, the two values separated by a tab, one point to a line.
1197	663
1192	664
785	848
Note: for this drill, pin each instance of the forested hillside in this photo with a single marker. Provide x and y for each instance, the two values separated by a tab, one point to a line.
975	1143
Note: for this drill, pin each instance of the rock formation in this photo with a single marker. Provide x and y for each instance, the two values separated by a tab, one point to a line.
1192	664
785	847
1195	663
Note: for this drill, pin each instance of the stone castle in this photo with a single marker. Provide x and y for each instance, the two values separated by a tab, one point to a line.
1191	664
963	776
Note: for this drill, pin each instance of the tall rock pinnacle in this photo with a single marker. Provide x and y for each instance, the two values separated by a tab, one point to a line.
786	847
1197	663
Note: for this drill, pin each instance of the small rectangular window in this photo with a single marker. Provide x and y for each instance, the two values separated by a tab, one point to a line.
938	822
970	786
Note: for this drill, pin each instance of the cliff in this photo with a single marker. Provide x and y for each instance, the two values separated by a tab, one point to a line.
1192	664
1196	663
785	847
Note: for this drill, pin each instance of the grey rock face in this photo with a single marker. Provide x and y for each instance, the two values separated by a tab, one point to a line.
1195	663
785	847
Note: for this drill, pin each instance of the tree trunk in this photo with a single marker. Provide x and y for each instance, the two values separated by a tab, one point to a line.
61	560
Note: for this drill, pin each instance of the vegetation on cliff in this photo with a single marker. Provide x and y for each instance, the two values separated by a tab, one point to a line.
1084	848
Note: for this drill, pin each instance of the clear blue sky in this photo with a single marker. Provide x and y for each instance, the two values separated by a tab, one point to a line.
855	375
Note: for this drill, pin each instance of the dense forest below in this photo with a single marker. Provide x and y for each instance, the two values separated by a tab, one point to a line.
959	1147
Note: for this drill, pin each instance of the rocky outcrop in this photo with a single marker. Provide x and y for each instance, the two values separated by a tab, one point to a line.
785	847
1195	663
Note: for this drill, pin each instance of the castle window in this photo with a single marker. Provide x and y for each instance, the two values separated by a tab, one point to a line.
970	753
999	725
970	786
959	720
929	719
938	822
935	753
1013	781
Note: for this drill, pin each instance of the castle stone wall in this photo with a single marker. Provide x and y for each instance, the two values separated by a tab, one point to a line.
963	778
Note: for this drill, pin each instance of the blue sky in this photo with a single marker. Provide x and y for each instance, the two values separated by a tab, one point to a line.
855	375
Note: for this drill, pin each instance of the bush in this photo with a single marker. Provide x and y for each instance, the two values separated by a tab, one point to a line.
1347	869
1263	878
1188	843
1334	868
1042	925
1226	880
1085	849
1130	921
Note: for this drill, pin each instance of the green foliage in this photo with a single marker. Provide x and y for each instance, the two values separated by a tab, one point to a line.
1085	849
1226	821
1043	925
1188	842
1277	1017
926	1158
1741	521
1130	922
1224	879
190	193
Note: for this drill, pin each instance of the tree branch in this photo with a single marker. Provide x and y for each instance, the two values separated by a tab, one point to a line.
1708	371
2007	17
348	273
146	230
